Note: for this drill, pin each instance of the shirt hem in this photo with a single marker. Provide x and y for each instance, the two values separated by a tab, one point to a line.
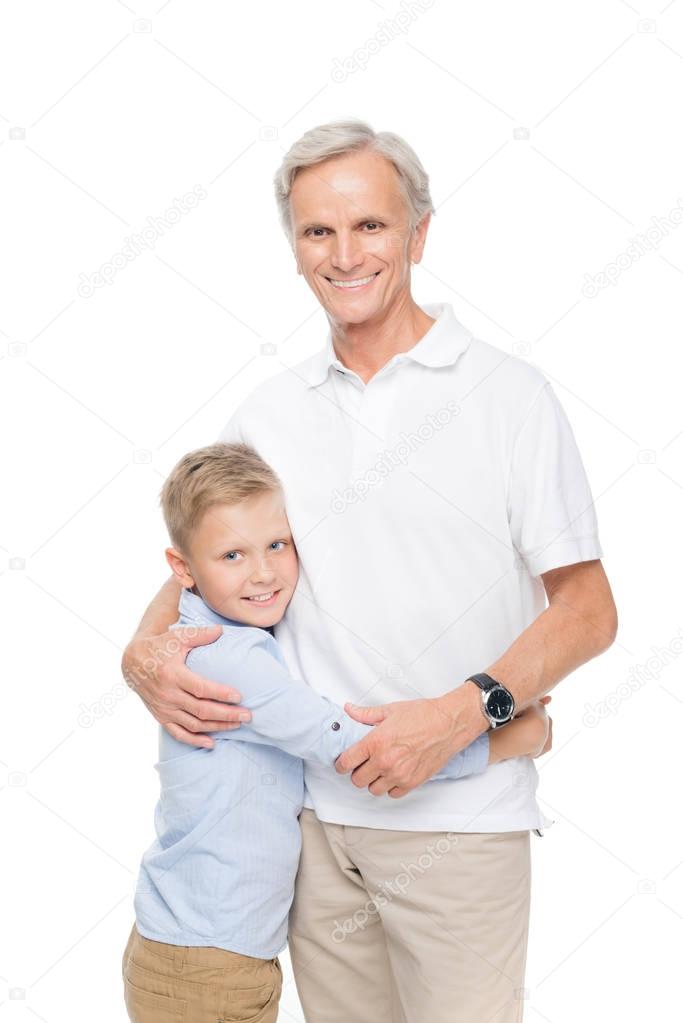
433	822
190	941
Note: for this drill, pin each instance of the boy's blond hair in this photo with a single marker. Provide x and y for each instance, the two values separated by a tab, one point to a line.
216	474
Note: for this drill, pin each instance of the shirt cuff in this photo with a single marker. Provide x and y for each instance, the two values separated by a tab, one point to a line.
339	732
564	552
474	759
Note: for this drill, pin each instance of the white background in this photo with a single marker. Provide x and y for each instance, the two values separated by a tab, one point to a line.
105	119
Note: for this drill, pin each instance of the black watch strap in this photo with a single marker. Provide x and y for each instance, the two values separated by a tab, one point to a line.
484	681
488	685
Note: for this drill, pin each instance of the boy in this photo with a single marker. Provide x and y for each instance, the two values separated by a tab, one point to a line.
215	888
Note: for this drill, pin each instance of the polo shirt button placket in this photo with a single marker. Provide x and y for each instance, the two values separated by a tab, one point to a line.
363	439
369	438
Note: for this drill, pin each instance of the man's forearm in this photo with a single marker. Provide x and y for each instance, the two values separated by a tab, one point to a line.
153	665
579	623
162	611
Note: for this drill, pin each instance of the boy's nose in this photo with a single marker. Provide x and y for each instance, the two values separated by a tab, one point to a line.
265	571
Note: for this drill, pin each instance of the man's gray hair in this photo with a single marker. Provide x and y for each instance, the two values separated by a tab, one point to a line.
339	137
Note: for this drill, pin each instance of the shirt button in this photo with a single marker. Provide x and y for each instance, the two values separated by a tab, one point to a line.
335	726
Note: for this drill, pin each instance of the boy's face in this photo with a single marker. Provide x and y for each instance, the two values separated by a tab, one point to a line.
238	552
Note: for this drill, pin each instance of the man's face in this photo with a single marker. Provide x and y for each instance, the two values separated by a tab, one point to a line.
238	552
350	222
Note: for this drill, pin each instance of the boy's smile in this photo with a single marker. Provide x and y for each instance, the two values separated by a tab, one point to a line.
242	560
264	599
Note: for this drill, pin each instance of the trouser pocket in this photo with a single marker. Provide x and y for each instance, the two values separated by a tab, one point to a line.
178	984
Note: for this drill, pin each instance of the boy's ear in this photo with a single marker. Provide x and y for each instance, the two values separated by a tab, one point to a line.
179	567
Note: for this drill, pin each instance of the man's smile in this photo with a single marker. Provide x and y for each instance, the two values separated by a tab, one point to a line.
358	282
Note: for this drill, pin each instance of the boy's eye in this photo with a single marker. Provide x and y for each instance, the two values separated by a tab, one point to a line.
232	556
279	544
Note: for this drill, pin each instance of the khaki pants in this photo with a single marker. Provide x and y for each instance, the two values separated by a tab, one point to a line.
410	927
180	984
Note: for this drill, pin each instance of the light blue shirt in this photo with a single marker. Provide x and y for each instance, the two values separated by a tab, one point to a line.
221	871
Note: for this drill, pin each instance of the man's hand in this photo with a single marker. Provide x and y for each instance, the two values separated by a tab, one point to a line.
412	741
186	704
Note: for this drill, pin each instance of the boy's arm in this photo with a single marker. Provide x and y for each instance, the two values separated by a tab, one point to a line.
288	714
473	759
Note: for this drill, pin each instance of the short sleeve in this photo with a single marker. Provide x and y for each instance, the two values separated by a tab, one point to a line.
550	506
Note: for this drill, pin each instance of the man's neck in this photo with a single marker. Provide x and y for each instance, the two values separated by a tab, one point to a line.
366	347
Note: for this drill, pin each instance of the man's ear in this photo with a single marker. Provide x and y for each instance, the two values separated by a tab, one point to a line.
179	567
419	238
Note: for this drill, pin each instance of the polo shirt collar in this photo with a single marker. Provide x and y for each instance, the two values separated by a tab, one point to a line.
445	340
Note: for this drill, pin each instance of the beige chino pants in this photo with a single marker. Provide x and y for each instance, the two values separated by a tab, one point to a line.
182	984
410	926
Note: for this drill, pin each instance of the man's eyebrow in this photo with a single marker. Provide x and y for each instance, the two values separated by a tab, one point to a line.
361	220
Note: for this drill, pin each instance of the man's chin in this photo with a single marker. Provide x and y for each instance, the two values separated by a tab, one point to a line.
343	311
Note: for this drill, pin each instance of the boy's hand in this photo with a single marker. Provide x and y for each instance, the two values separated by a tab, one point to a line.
540	727
529	734
548	744
186	704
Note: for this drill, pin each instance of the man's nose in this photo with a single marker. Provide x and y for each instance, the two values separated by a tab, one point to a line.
347	252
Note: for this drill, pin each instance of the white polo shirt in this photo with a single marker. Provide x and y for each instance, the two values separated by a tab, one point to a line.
424	505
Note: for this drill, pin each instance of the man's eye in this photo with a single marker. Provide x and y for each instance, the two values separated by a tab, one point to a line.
372	223
312	230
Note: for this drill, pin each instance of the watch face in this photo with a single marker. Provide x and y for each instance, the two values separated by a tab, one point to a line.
499	704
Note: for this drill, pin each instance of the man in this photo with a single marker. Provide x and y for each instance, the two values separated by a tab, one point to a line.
449	469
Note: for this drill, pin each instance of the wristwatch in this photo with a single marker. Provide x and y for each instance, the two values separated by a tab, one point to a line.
497	702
